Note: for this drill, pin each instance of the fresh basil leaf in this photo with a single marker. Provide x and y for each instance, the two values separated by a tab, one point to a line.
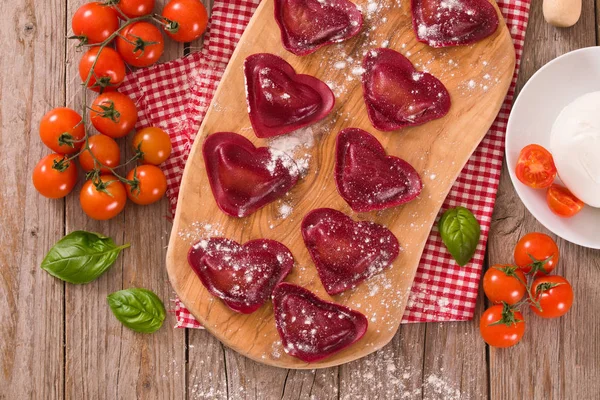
81	257
138	309
460	233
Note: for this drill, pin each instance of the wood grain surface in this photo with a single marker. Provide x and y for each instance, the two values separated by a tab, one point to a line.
556	360
438	150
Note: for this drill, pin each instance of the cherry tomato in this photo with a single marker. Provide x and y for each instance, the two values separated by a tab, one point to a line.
562	202
62	122
191	18
109	70
114	114
504	283
539	246
135	8
141	44
106	151
54	183
554	295
106	203
154	143
94	22
535	167
501	326
152	185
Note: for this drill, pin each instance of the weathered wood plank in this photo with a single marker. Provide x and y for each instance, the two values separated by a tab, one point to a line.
394	372
104	359
313	384
247	379
455	365
558	359
206	374
31	301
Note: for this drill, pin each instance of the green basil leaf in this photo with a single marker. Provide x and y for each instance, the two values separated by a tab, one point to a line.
81	257
460	232
138	309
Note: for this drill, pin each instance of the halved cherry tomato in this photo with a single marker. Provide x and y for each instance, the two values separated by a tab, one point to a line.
109	70
562	202
152	185
504	283
535	167
140	44
501	326
106	151
554	295
135	8
51	182
94	22
105	202
536	250
191	18
114	114
61	130
154	143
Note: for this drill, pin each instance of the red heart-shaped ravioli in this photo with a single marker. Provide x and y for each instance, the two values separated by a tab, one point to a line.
307	25
244	178
242	276
367	178
443	23
312	329
346	252
281	101
397	95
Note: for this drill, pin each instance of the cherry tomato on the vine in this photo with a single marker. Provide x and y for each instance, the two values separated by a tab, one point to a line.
105	202
501	326
562	202
535	167
105	149
135	8
62	125
554	295
54	183
151	186
154	143
109	70
540	247
504	283
140	44
94	22
191	18
113	114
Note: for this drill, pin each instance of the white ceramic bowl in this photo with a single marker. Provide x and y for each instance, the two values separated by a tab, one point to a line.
553	87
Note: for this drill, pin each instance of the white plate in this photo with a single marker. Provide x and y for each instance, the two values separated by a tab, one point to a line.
554	86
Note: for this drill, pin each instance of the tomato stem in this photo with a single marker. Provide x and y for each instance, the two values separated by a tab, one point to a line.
169	25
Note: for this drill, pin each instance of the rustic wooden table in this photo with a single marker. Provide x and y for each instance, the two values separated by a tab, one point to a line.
61	341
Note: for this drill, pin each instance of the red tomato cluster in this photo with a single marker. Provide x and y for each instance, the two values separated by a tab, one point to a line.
549	296
125	25
137	42
536	169
104	193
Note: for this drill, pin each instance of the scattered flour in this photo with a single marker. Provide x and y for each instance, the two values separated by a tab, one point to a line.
294	146
285	210
200	230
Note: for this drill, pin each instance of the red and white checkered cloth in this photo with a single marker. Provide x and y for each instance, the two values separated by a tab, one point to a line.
175	96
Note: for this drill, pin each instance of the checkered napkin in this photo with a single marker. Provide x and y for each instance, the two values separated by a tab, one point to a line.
176	95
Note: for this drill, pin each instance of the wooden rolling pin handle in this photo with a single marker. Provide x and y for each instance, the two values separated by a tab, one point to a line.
562	13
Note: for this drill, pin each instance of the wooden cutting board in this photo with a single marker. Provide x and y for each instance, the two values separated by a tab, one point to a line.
477	78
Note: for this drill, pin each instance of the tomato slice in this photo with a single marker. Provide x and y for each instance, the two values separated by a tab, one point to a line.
535	167
562	202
